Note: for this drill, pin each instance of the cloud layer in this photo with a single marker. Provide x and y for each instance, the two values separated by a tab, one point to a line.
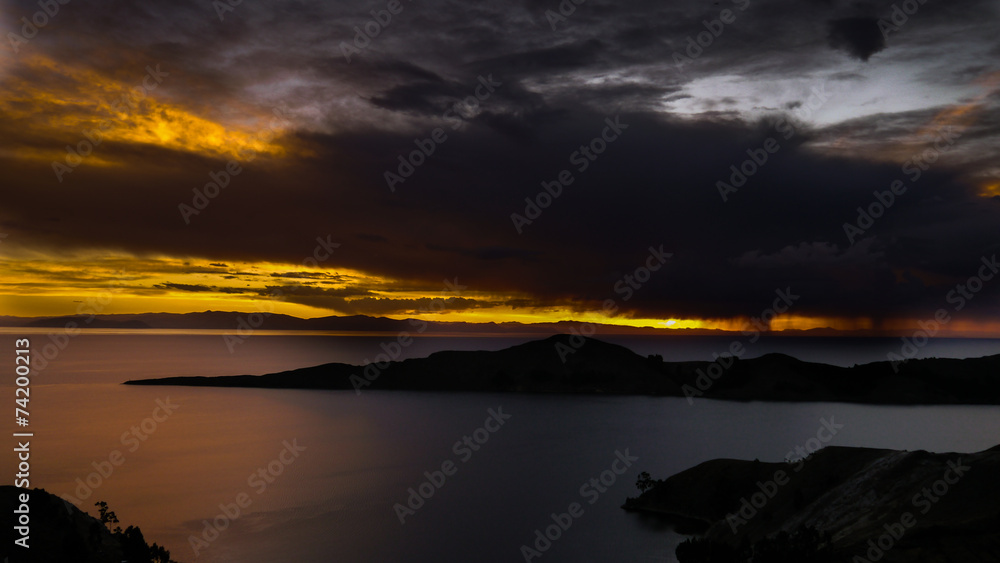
645	108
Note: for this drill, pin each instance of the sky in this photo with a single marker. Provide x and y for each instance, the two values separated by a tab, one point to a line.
670	164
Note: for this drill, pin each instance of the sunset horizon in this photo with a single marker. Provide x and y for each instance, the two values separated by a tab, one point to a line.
185	186
510	280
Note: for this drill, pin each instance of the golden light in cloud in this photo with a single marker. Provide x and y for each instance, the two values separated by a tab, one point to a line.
53	286
49	285
75	105
43	285
991	190
801	322
506	313
932	140
956	328
961	116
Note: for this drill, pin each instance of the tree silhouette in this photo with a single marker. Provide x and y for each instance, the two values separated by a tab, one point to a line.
134	546
108	516
644	482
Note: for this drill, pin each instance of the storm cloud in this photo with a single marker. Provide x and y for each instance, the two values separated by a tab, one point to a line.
526	114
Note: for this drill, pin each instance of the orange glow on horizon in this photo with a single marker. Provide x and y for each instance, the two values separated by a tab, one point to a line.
38	285
991	190
798	322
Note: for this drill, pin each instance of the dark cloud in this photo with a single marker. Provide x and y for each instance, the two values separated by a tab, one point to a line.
232	290
859	37
306	275
655	185
185	287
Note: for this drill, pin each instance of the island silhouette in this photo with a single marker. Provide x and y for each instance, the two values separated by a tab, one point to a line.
575	364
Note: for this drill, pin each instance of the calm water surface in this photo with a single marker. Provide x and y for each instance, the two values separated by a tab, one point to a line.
334	502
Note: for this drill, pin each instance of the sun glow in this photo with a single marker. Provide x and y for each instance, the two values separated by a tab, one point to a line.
44	285
991	190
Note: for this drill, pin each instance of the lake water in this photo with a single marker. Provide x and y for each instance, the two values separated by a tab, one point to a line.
335	500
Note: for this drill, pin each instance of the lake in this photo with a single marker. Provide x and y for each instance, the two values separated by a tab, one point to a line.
319	474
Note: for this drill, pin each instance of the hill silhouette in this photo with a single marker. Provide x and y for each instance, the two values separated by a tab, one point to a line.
575	364
86	321
61	533
234	320
839	499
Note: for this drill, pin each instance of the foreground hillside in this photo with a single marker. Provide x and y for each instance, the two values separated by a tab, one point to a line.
840	504
56	531
573	364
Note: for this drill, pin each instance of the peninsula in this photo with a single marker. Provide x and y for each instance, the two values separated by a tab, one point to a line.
575	364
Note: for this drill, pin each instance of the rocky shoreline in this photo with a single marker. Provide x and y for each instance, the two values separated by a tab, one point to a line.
838	504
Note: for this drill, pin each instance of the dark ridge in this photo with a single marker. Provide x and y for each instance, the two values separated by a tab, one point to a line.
831	504
86	321
576	364
60	532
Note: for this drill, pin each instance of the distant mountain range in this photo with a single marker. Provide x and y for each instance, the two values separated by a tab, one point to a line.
596	367
232	320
